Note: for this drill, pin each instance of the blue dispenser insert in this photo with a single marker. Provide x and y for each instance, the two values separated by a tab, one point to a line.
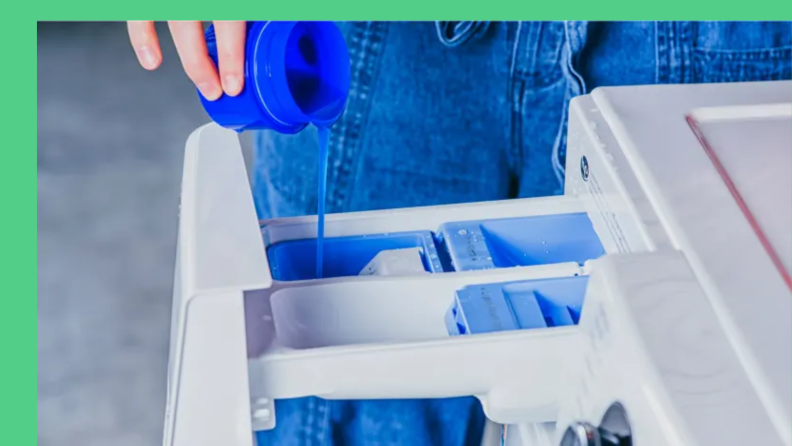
523	241
457	246
345	256
520	305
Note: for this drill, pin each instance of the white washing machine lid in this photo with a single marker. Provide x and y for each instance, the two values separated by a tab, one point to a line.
715	162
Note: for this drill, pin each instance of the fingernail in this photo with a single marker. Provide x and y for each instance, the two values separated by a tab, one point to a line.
210	91
148	58
232	84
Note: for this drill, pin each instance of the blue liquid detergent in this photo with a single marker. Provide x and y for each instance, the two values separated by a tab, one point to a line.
324	137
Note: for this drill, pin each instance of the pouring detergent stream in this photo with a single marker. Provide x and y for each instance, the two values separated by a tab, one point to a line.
296	74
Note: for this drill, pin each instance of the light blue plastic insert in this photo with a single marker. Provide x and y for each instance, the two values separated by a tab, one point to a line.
521	305
345	256
524	241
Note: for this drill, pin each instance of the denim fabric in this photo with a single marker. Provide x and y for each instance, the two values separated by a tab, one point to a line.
454	112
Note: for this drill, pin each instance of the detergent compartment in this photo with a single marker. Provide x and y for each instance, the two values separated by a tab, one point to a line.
347	256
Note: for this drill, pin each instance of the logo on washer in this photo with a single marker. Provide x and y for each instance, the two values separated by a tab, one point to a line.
584	168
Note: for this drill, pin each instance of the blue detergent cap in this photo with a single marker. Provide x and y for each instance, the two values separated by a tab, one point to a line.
296	73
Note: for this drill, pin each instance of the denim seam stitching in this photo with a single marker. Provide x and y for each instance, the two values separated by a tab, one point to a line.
323	423
516	95
310	415
762	54
662	53
575	40
687	35
516	155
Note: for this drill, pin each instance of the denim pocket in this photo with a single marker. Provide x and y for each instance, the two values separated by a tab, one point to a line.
742	51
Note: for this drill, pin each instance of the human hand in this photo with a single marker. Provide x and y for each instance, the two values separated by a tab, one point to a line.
191	46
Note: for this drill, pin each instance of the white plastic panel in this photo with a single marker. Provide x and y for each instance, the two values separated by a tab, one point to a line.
651	341
219	233
212	402
703	220
752	147
599	173
219	255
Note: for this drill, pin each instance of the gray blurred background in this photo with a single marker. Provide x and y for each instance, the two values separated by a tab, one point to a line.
110	146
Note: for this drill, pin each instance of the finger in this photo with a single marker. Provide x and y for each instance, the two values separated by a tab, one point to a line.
231	54
144	41
191	45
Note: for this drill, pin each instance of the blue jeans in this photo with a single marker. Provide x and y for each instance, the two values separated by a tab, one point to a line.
455	112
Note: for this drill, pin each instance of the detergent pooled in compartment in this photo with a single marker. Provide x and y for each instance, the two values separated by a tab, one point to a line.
396	262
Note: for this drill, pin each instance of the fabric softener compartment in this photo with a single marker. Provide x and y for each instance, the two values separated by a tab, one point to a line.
523	241
530	304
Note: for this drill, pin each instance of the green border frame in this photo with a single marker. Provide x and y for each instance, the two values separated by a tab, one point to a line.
423	10
18	239
18	186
